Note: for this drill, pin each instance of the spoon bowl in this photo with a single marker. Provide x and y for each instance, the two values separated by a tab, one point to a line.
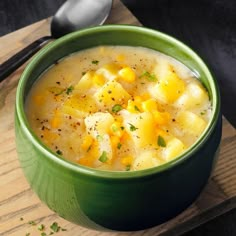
91	13
71	16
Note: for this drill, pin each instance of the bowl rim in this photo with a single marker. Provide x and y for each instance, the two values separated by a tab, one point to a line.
92	172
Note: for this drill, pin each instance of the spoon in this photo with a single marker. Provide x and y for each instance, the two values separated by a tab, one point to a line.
71	16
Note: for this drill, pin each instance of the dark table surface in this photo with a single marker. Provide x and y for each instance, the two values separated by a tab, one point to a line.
209	27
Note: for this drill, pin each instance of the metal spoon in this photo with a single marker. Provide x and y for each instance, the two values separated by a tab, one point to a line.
72	15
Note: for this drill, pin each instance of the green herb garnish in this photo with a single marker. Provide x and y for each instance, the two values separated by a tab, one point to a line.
116	108
203	113
103	158
43	234
99	138
69	90
128	167
119	145
114	128
161	142
55	227
27	234
149	76
136	108
41	227
132	127
95	62
89	148
31	222
56	90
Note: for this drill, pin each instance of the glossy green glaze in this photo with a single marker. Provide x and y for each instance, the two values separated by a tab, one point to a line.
116	200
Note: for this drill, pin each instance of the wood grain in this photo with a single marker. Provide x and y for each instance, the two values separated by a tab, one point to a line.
17	199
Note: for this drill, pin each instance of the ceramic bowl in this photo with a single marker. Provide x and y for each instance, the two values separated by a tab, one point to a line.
116	200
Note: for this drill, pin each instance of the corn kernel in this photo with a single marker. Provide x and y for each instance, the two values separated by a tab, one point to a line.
145	96
138	99
161	118
114	141
127	160
85	161
116	130
124	137
160	132
149	105
87	142
127	74
133	107
98	80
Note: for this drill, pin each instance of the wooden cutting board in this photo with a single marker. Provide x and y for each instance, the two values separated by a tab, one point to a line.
19	205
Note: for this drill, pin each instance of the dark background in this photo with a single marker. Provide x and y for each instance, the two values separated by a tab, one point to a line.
207	26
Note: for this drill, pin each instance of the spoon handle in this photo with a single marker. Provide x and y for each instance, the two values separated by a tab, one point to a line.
14	62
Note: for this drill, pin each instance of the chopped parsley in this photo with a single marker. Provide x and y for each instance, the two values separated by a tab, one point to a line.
69	90
128	167
116	108
114	128
203	113
95	62
41	227
150	77
56	90
119	145
160	141
99	137
136	108
55	227
89	148
103	158
31	222
132	127
43	234
27	234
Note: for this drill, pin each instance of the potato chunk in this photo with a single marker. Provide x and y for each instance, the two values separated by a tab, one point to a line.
173	148
169	86
109	71
85	82
146	159
79	105
110	94
194	95
191	123
141	128
98	123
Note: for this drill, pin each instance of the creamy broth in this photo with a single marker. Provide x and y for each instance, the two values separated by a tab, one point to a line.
118	108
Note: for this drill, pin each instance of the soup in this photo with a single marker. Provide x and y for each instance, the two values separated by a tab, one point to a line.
118	108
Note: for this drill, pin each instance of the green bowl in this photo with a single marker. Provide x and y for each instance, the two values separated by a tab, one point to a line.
116	200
